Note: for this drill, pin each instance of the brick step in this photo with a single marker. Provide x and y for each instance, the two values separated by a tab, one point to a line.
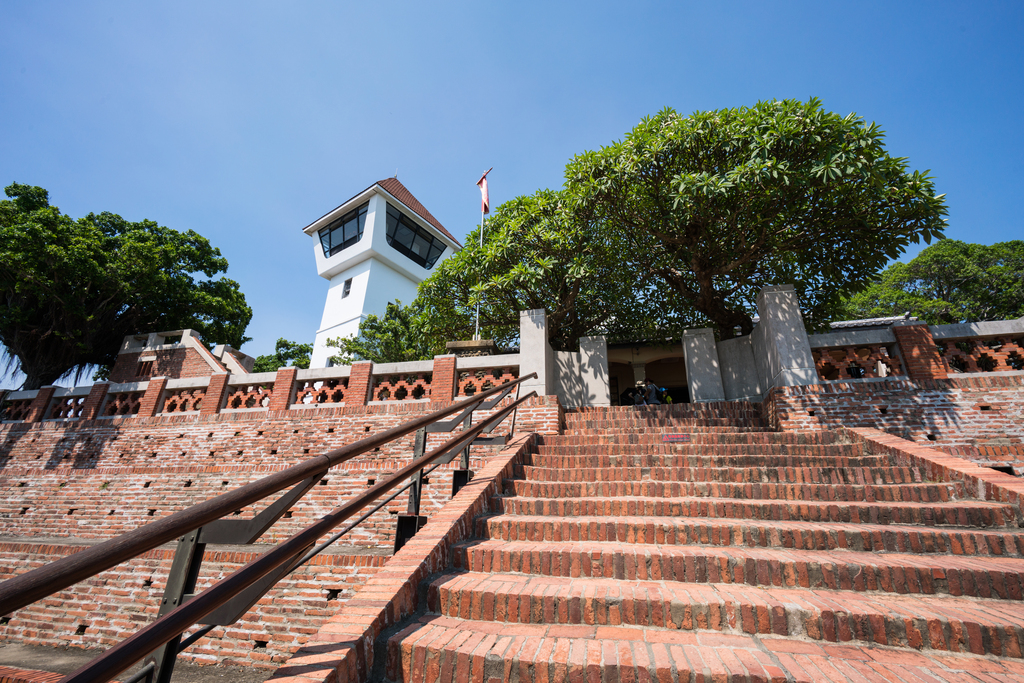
750	411
773	475
971	513
703	461
936	622
619	436
722	426
813	450
996	577
450	650
664	412
917	493
752	533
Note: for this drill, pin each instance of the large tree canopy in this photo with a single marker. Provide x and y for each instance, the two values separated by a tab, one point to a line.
540	253
721	203
949	282
73	289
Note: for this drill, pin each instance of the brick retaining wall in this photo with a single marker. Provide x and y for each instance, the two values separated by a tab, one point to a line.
89	480
979	417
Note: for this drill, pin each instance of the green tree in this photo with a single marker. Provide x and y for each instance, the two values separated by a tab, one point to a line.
948	282
721	203
73	289
396	337
540	253
285	353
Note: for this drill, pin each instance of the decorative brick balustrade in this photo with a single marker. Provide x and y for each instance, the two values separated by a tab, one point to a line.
999	354
322	392
472	382
67	408
402	387
855	362
183	401
123	403
15	409
249	396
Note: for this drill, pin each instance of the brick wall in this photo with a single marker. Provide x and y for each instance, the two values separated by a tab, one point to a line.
65	483
103	610
173	363
980	417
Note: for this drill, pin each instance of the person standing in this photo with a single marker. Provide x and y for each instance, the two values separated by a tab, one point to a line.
651	393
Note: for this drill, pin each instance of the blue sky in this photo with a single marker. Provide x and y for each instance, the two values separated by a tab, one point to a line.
246	121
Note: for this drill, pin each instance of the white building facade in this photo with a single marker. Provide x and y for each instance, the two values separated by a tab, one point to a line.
373	249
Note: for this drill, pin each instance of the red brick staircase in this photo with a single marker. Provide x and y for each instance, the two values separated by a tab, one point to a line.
623	554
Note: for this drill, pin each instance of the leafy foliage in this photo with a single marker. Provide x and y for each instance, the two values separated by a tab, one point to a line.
722	203
396	337
949	282
285	353
73	289
540	253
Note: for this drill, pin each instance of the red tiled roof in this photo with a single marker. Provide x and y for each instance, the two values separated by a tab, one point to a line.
402	194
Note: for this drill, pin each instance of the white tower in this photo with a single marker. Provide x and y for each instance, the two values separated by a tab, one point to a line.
375	248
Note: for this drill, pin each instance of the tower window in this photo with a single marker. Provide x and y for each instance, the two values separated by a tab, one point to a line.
410	239
346	289
344	232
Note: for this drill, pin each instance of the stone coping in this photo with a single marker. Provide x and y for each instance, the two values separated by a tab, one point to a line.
343	648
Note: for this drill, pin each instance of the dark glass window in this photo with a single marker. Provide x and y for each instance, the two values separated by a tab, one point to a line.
412	240
344	232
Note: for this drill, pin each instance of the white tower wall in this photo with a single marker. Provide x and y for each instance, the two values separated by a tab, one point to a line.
379	273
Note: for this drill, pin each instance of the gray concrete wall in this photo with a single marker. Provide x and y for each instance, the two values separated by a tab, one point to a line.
535	354
759	347
594	371
568	383
582	378
740	377
782	349
703	373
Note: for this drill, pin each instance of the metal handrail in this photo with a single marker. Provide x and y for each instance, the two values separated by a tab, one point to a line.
25	589
174	623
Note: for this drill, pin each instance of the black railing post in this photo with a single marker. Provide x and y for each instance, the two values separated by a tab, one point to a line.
181	581
461	476
410	523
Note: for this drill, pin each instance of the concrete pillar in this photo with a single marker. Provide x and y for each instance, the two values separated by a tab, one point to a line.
781	348
703	373
535	354
594	371
639	372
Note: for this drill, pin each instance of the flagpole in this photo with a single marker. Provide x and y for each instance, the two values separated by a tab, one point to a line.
476	335
485	207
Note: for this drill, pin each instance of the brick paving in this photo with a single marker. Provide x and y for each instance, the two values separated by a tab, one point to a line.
621	551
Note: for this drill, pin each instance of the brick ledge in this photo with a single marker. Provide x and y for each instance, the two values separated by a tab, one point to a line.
987	483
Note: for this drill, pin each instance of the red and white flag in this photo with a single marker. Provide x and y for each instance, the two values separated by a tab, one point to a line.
485	201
